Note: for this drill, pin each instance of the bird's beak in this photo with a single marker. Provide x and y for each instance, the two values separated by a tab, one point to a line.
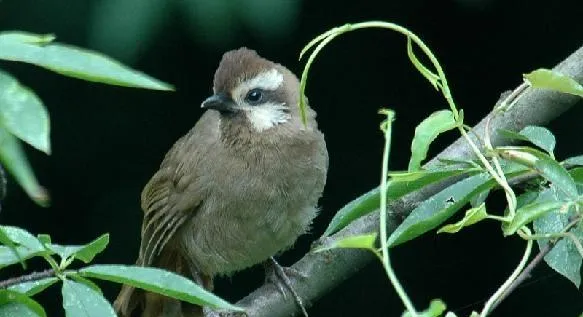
220	102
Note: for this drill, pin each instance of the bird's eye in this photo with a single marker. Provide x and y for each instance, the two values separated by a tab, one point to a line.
254	96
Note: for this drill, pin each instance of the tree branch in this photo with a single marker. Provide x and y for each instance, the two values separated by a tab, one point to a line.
34	276
326	270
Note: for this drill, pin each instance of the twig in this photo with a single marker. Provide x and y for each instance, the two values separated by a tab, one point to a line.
34	276
528	269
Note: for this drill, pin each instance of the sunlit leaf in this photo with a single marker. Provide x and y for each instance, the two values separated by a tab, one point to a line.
473	216
13	304
74	62
34	287
23	114
426	132
79	300
364	241
157	281
549	79
399	184
15	161
433	78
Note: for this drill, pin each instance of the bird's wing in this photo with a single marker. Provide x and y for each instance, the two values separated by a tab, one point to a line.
164	201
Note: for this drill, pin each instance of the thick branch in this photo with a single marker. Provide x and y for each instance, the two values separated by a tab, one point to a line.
328	269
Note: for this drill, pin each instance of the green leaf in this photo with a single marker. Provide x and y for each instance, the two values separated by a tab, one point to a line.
542	163
5	240
528	213
436	308
27	246
23	238
575	160
548	79
399	184
157	281
363	241
564	257
23	114
16	304
473	216
34	287
79	300
433	78
437	123
85	253
74	62
438	208
89	283
539	136
14	159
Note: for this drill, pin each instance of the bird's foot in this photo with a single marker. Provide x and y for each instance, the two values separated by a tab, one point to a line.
279	276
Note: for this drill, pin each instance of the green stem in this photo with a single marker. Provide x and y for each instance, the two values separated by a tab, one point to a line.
490	303
383	223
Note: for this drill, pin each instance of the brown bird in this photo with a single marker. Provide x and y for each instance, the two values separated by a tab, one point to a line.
238	188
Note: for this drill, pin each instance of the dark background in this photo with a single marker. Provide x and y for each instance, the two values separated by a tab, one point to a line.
107	141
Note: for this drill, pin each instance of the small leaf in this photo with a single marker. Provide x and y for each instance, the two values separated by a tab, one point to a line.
436	308
20	304
363	241
74	62
473	216
433	78
528	213
548	79
34	287
85	253
14	159
437	123
399	184
157	281
23	114
544	164
79	300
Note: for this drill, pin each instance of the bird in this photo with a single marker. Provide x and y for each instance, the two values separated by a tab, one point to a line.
240	187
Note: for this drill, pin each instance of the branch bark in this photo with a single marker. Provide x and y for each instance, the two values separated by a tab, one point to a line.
326	270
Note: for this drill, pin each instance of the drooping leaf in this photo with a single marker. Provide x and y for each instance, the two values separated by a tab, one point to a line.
528	213
399	184
549	79
73	61
437	123
433	78
157	281
473	216
34	287
23	114
542	163
438	208
15	161
79	300
85	253
363	241
575	160
89	283
15	303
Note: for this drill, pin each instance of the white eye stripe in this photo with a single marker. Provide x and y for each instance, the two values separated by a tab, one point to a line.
268	80
267	115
